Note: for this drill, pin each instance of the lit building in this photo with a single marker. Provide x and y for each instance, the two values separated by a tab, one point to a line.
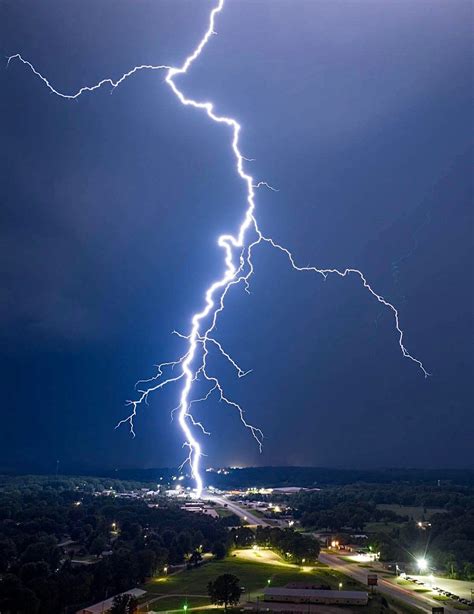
300	596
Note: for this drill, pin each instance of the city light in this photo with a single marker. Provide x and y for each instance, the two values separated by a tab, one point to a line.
422	564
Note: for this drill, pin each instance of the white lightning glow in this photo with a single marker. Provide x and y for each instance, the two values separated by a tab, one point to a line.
238	268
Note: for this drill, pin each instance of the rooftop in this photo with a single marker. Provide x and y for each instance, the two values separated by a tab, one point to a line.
104	606
311	592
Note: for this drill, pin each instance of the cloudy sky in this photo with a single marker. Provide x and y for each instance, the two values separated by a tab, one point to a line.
358	112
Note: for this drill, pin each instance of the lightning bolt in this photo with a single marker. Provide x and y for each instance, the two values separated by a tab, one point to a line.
238	249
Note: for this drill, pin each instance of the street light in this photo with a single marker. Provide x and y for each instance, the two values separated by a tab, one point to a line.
340	585
268	581
422	564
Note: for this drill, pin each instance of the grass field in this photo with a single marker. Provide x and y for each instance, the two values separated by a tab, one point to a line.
381	527
413	512
253	568
223	512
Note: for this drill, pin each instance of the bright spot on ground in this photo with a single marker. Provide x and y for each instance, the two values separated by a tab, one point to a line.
258	555
361	558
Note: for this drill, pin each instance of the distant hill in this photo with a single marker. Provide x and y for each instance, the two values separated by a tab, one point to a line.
279	476
320	476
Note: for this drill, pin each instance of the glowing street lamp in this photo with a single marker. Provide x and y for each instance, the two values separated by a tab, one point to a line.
422	564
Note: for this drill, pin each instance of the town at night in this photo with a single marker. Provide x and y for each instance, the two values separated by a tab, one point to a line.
237	307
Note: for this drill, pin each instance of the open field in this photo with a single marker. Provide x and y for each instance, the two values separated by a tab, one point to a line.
411	585
413	512
374	607
223	512
176	602
253	567
381	527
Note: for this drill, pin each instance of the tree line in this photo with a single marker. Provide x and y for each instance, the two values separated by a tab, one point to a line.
61	548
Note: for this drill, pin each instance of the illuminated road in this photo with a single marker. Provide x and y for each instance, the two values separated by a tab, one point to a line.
400	593
240	511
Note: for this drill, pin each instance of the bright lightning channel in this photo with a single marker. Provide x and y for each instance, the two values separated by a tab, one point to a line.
238	250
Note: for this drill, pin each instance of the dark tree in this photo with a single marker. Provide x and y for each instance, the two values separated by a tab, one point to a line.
243	537
219	550
16	598
7	553
31	571
146	561
225	590
195	558
124	604
184	542
98	545
168	537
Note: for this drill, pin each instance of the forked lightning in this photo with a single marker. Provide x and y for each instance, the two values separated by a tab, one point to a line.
238	249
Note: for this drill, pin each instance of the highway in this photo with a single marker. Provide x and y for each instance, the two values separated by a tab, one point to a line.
242	512
404	595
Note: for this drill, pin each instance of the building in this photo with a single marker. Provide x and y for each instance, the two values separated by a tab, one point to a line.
104	606
316	596
305	585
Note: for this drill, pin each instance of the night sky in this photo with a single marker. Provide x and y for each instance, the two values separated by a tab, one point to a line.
358	112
